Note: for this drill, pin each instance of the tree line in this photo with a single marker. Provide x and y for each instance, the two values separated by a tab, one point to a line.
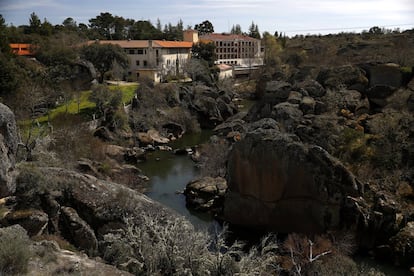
104	26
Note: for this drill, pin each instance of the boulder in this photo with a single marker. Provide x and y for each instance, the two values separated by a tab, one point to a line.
211	105
265	123
277	183
307	105
383	74
351	77
104	134
379	93
152	136
278	89
121	154
229	126
205	194
87	166
287	114
9	140
402	245
352	99
35	222
294	97
313	88
76	230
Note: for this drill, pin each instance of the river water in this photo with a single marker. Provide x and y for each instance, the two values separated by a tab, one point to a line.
170	173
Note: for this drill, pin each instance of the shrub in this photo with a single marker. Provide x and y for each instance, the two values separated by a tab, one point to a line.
156	244
14	251
214	158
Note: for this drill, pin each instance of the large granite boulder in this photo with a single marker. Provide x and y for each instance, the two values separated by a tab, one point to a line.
384	74
206	193
276	182
8	148
347	76
313	88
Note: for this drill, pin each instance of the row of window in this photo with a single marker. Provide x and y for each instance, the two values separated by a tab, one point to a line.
231	62
234	50
232	43
136	51
239	55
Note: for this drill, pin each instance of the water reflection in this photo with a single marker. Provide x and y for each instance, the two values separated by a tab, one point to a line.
169	174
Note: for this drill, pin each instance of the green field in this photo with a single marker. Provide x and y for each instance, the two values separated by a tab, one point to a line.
80	103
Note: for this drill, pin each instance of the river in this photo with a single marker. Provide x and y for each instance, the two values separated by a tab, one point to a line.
170	173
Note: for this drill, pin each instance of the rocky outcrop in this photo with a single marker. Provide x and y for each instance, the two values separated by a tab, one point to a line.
206	194
152	136
278	183
8	148
35	222
76	230
211	106
81	207
346	76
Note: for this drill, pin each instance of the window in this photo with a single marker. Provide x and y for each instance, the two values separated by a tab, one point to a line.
131	51
137	62
140	51
145	63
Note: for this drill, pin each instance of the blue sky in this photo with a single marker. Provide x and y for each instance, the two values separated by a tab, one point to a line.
290	16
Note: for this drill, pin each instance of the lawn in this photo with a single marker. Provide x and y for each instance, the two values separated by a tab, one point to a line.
80	103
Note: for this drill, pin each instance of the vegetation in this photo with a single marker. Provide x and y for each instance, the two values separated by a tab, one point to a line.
14	251
204	27
103	57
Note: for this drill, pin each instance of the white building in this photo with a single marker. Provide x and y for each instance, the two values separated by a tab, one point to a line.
236	50
155	59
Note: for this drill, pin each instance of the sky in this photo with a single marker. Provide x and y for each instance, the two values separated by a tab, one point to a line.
288	16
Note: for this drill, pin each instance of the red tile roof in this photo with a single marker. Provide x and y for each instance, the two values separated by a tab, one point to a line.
174	44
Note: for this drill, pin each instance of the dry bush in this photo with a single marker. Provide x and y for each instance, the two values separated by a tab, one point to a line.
322	254
156	244
214	158
73	143
14	251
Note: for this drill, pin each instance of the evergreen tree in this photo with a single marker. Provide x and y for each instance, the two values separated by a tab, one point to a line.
254	31
236	29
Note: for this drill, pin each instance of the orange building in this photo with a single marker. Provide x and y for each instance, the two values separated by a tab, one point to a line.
22	49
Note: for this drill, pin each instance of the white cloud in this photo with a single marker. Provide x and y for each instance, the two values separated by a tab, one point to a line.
27	5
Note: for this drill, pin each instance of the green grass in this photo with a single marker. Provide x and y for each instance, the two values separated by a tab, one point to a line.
84	104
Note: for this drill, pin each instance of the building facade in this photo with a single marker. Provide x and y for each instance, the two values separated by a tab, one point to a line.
236	50
154	59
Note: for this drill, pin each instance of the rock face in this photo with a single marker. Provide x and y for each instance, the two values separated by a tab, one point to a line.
8	149
211	106
277	183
